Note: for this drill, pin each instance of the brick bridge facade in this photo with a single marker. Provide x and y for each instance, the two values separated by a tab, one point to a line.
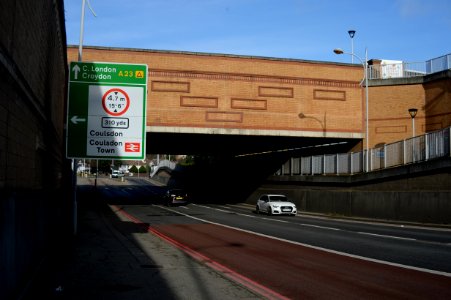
199	93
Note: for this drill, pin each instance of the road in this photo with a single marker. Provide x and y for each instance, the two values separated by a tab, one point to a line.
298	257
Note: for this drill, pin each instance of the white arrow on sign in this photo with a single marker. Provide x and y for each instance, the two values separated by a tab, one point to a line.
76	69
76	119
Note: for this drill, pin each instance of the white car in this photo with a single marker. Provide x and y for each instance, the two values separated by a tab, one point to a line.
274	204
116	174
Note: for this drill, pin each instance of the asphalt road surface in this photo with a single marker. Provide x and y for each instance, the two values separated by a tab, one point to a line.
296	257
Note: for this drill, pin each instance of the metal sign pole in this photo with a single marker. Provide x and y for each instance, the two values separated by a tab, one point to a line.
74	170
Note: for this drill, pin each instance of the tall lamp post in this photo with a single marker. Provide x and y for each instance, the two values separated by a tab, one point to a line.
351	35
413	113
365	69
82	26
74	171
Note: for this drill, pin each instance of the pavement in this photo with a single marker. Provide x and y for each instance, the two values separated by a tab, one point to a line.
111	257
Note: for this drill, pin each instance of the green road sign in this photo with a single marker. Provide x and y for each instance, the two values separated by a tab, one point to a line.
106	114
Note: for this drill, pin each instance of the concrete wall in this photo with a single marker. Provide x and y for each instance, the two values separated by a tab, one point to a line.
33	201
416	193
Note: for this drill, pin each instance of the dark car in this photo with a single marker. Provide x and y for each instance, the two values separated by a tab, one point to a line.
176	197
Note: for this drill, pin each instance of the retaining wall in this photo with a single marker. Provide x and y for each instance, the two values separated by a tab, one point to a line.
415	193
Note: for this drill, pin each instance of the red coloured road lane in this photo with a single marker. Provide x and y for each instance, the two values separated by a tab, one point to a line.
300	272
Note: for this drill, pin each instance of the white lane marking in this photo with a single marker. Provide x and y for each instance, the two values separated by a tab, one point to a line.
214	208
271	219
387	236
376	223
275	220
320	248
320	227
325	227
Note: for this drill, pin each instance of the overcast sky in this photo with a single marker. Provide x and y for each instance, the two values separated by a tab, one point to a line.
407	30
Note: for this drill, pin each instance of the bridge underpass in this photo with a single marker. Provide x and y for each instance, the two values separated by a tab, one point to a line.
228	168
242	145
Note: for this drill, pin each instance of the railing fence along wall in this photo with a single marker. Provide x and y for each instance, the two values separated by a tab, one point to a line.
417	149
387	70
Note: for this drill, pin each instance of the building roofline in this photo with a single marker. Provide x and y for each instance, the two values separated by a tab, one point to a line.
216	55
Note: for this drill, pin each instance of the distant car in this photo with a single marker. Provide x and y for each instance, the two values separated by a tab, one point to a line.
116	174
176	197
274	204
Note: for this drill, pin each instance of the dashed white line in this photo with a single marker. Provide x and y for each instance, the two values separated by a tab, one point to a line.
387	236
268	219
321	227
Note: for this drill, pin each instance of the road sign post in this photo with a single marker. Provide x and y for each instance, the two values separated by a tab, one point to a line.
106	114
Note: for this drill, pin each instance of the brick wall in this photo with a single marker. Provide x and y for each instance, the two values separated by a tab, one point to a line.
389	118
32	94
33	167
202	92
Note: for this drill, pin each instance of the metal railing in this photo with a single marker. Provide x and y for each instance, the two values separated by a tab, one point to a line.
409	69
416	149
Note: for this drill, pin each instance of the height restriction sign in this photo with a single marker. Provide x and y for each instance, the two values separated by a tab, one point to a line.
106	114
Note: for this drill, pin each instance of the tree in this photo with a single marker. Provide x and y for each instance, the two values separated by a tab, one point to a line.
133	169
142	169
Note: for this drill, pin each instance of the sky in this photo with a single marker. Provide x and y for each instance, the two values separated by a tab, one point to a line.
405	30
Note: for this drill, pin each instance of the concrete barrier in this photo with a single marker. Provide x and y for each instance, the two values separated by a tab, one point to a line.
417	194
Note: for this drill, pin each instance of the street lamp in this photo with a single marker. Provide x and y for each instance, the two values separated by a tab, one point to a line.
82	21
413	113
351	35
365	69
322	123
